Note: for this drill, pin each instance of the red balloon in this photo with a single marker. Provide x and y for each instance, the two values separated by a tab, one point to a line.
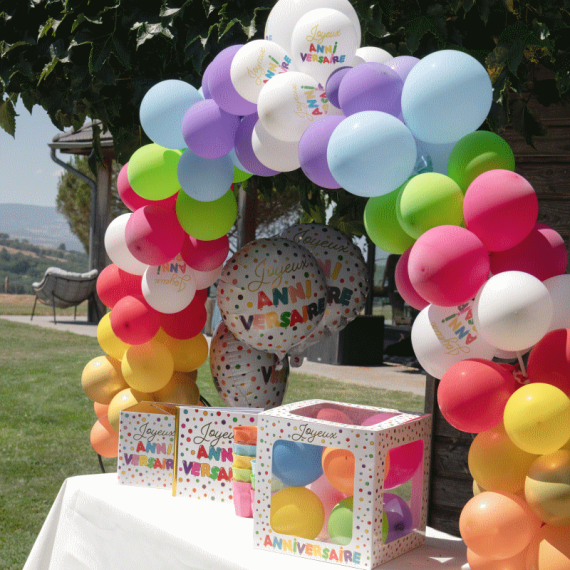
113	284
154	235
132	200
134	321
549	360
473	393
200	296
187	323
542	254
404	285
205	255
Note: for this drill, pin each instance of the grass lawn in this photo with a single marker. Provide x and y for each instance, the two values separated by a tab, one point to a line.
23	304
46	418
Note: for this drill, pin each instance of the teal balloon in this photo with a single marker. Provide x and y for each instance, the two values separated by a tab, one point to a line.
371	153
447	95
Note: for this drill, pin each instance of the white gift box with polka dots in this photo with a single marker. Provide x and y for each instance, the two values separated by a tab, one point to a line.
386	465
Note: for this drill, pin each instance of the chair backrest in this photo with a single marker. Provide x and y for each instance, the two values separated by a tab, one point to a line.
65	287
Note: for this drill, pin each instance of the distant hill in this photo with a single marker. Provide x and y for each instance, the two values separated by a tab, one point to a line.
39	225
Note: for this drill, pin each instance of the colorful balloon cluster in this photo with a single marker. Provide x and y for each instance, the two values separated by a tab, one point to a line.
319	485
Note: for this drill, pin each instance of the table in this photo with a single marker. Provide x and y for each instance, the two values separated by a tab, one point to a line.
97	524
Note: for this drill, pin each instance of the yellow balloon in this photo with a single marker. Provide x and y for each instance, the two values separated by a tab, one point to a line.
123	400
537	418
147	367
181	389
102	379
297	511
108	340
188	354
496	463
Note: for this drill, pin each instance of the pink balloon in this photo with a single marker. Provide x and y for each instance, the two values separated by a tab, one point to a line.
500	208
404	285
134	321
448	265
334	415
329	497
154	235
113	284
403	463
542	254
132	200
377	418
205	279
187	323
205	255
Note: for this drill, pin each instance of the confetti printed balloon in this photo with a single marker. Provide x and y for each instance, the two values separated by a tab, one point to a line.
243	376
345	271
272	294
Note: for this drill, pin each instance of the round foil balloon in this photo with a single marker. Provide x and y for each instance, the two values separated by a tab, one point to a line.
272	294
243	376
345	271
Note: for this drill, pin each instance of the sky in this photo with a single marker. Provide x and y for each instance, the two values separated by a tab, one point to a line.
28	175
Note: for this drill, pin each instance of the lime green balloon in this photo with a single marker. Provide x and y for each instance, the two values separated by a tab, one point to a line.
152	172
240	175
429	200
340	522
476	153
382	226
206	221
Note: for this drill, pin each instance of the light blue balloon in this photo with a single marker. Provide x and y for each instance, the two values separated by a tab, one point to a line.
205	179
446	96
439	155
235	161
162	110
371	153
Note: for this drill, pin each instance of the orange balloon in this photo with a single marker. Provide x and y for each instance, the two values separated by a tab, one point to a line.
550	549
497	525
181	389
477	562
104	439
100	409
338	467
188	354
102	378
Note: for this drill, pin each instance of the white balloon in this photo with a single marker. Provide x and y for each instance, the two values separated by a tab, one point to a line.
255	64
289	103
370	54
169	288
559	289
204	279
323	40
271	152
286	13
116	247
443	336
513	310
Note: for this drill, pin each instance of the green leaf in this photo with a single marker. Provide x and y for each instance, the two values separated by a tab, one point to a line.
419	26
29	99
46	28
48	68
121	52
8	116
99	55
525	123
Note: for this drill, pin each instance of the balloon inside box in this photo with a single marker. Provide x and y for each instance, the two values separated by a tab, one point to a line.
326	480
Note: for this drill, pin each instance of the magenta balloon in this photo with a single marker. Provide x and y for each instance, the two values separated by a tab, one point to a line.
153	235
333	84
542	254
244	150
404	462
448	265
501	208
205	255
132	200
221	87
313	151
371	87
402	65
208	130
404	285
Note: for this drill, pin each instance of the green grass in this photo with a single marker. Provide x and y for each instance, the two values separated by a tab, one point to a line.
46	418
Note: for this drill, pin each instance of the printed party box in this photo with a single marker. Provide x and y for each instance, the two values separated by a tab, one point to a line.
204	451
342	483
147	445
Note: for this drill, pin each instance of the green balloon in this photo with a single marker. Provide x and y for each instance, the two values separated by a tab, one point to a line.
476	153
206	221
429	200
382	226
240	175
152	172
340	522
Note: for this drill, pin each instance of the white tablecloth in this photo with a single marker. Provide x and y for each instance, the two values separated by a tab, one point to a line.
97	524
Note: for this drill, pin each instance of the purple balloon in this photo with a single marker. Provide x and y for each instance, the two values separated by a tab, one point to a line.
371	87
402	65
208	130
205	79
244	150
398	520
221	87
313	151
333	83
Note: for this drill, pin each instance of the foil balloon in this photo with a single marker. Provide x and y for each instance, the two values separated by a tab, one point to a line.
272	294
345	271
243	376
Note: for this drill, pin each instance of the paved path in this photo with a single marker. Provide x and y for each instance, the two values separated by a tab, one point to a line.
388	376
